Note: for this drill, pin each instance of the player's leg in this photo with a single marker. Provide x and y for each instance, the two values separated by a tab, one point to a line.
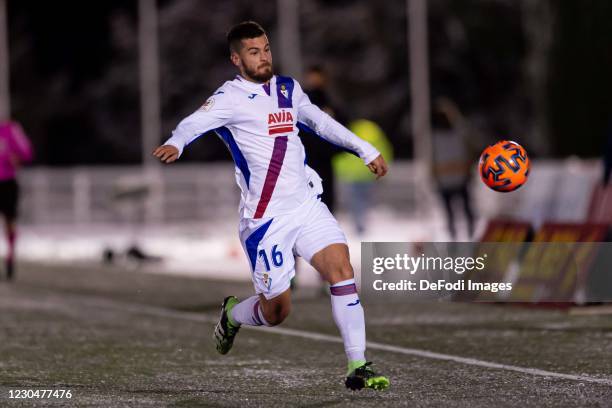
259	311
11	236
447	199
322	243
467	208
256	310
252	311
334	266
358	205
10	191
268	245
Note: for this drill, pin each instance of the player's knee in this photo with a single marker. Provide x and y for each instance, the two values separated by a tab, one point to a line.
346	272
276	314
341	272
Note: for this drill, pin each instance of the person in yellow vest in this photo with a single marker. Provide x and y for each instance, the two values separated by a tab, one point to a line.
350	170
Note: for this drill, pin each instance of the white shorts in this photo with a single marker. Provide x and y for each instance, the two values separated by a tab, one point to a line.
270	243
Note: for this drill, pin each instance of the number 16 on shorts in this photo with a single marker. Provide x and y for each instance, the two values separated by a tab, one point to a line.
276	257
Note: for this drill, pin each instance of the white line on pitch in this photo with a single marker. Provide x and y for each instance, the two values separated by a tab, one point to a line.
162	312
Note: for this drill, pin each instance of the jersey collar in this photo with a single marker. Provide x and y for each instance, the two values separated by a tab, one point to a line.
252	86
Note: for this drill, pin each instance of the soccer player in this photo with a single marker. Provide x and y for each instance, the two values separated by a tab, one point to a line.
15	149
258	115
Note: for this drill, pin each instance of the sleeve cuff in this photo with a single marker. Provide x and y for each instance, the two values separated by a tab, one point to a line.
175	144
367	159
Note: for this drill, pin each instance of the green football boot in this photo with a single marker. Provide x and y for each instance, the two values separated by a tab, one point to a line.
225	331
364	377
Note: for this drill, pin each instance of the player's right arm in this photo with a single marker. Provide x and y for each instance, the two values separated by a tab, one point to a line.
216	112
328	128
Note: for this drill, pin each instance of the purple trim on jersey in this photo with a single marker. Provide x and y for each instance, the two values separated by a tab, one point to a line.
266	88
343	290
256	314
284	91
226	135
274	168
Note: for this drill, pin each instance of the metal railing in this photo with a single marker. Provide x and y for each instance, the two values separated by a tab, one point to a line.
170	194
184	193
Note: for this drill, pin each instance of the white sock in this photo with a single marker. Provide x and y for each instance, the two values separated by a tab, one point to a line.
348	315
249	312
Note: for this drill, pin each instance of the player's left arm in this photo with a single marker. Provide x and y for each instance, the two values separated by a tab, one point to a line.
329	129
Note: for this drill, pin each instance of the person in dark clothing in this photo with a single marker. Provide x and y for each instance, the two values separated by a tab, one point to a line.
15	149
318	152
451	162
608	156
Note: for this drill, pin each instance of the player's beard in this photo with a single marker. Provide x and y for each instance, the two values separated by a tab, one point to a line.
259	74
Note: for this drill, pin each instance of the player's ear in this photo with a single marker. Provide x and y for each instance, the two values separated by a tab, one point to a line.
235	58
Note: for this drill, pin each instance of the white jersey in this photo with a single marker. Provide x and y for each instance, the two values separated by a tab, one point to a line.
259	123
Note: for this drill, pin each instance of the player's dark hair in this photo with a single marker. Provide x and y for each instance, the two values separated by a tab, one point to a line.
246	29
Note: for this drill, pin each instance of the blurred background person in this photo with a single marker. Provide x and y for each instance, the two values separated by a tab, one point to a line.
15	149
607	159
600	206
451	162
319	153
348	169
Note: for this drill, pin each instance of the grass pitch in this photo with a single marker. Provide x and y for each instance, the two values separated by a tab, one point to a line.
127	338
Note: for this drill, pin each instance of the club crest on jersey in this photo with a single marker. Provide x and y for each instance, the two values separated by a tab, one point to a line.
283	91
280	122
267	281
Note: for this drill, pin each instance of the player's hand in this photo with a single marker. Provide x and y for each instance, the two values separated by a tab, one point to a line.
166	153
378	166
